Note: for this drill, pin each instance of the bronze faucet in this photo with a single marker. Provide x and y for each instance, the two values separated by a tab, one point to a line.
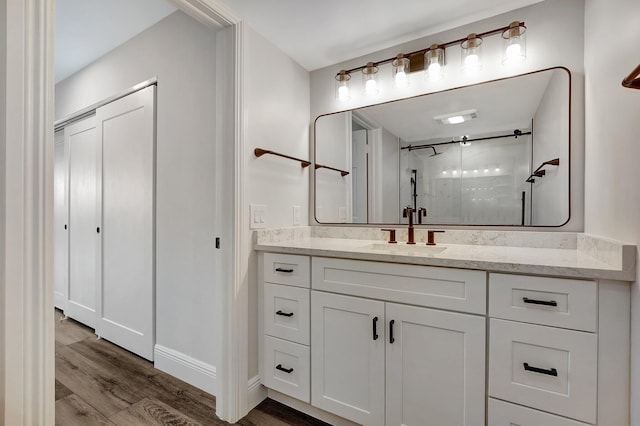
422	212
430	237
408	212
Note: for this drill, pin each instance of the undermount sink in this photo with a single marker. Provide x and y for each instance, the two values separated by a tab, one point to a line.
418	248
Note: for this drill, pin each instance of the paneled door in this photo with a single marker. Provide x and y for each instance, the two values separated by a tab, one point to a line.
347	357
435	367
82	142
60	223
125	300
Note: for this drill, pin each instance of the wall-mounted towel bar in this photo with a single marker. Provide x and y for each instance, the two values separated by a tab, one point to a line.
342	172
633	80
539	172
259	152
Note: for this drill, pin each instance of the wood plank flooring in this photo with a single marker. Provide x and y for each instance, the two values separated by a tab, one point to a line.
99	383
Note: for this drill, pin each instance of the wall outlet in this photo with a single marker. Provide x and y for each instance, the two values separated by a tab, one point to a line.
257	216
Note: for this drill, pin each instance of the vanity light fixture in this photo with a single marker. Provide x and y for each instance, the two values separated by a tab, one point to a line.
370	79
470	49
457	117
514	44
401	67
343	92
432	60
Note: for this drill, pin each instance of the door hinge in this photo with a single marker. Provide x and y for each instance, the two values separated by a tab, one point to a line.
217	242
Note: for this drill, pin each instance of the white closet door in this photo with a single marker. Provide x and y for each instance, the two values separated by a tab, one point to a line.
60	223
81	140
126	287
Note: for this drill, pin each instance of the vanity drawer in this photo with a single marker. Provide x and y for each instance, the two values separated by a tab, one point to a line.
286	269
547	368
286	368
286	312
557	302
504	414
446	288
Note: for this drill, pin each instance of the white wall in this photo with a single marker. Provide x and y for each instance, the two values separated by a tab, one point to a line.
181	53
612	202
276	99
554	38
551	124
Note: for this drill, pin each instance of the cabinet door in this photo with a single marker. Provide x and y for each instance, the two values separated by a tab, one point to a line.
126	287
82	142
347	359
435	367
60	223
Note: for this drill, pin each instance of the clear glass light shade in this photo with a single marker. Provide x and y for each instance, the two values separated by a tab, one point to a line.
434	62
370	80
514	49
401	72
471	51
343	91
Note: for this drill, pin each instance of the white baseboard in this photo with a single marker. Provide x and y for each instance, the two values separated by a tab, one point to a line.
257	392
186	368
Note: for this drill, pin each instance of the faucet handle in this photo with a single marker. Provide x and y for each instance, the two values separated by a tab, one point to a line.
392	235
430	237
407	211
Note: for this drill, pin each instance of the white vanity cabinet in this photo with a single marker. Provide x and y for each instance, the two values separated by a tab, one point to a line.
378	362
419	363
558	351
285	322
381	343
348	357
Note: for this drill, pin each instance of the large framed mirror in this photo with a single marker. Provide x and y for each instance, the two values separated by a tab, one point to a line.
494	153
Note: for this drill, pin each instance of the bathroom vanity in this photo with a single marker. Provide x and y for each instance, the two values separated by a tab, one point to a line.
456	334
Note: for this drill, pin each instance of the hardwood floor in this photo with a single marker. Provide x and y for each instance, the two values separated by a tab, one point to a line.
99	383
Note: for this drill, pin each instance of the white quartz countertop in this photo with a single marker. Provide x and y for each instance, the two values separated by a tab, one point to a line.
565	262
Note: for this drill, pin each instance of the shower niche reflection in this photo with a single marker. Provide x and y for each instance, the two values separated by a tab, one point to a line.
495	153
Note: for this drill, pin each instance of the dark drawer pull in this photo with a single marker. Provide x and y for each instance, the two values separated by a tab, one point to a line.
284	314
286	370
551	372
288	271
375	331
540	302
391	339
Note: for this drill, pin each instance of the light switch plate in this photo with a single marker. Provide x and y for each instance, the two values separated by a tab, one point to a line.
296	215
257	216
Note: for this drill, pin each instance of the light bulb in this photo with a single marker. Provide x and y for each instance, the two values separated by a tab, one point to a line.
471	49
434	71
513	51
370	79
471	62
434	61
371	88
343	94
401	79
401	69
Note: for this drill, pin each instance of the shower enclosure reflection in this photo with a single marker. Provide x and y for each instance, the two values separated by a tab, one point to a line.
495	153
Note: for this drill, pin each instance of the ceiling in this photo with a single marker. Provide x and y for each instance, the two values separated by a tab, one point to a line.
319	33
315	33
88	29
